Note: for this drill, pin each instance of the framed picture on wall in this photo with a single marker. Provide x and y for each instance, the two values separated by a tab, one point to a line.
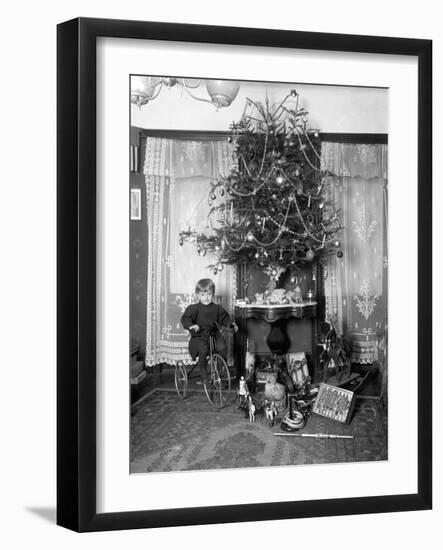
136	204
266	173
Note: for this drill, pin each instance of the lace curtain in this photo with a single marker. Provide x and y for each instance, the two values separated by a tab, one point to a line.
178	174
356	284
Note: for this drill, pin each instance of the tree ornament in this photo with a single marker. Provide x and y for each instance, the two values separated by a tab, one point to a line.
213	196
321	205
294	93
222	192
280	180
199	249
337	244
180	242
250	237
339	254
215	271
310	255
257	255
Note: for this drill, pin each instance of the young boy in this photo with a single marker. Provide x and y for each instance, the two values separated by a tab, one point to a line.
199	319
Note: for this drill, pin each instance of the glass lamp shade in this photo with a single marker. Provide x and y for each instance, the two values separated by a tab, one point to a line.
143	89
222	92
191	82
169	81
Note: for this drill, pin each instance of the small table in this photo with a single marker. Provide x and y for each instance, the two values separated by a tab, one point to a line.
276	315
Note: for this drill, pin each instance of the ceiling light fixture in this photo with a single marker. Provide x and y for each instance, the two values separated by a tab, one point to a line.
146	88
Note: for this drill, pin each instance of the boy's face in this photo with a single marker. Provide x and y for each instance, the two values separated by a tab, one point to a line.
205	296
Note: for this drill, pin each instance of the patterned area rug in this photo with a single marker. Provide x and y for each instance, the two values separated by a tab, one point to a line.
169	434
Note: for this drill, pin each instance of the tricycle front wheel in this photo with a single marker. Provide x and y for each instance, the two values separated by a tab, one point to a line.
181	380
218	384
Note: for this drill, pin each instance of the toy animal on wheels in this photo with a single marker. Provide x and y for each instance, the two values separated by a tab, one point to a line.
335	355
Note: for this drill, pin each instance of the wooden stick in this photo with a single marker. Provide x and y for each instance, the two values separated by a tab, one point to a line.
318	436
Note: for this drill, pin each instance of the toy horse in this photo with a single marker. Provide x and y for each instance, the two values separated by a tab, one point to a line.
251	408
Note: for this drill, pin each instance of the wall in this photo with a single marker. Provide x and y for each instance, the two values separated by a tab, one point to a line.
331	109
28	289
138	257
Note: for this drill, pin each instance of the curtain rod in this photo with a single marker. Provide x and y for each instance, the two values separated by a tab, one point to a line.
196	135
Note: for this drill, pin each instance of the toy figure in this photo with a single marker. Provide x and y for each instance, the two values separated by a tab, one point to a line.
273	390
243	393
271	412
242	389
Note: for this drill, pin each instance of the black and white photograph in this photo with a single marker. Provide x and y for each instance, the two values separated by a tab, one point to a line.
258	274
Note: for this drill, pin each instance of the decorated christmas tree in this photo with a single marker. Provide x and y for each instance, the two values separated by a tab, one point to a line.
270	210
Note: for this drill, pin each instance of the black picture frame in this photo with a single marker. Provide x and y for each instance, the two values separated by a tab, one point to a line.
76	279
